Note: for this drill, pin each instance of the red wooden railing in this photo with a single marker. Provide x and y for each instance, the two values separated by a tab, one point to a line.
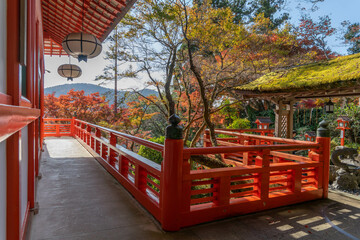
266	174
58	127
140	176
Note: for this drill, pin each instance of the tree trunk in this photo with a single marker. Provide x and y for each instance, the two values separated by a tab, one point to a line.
206	114
169	75
197	135
304	117
298	116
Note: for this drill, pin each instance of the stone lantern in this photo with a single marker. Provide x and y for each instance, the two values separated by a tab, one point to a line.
310	136
343	124
263	123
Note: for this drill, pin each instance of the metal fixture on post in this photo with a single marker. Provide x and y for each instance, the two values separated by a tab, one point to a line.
82	45
329	107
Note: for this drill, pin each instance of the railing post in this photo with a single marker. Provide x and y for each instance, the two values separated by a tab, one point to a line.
72	127
246	154
83	134
88	133
57	127
75	129
223	193
207	138
264	177
323	138
140	178
171	179
124	166
112	154
104	151
97	134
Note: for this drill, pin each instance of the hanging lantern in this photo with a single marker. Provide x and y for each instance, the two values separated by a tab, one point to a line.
82	45
69	71
329	107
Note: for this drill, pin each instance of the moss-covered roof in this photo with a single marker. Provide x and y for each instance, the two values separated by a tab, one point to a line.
339	72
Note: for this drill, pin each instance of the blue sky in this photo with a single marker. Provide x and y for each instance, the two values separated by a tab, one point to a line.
338	10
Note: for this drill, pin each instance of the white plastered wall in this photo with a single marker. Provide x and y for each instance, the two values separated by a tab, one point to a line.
3	46
3	190
23	171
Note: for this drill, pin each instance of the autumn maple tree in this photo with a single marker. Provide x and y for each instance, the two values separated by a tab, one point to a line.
313	35
92	108
352	37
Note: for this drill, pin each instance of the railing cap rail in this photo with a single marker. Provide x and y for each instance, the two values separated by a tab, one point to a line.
254	148
275	139
146	143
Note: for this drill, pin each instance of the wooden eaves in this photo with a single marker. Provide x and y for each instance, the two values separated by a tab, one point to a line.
98	17
338	77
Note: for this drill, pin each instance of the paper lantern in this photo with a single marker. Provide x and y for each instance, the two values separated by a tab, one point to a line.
82	45
69	71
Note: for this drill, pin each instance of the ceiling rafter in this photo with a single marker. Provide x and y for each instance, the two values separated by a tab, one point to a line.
61	17
77	19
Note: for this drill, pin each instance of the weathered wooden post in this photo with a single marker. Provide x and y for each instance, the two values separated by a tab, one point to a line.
171	177
323	138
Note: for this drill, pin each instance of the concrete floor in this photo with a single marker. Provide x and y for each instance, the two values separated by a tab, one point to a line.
78	199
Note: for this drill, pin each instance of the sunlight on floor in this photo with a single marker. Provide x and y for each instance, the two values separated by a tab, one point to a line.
66	149
325	226
299	234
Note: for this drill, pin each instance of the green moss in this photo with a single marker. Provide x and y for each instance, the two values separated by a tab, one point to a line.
338	72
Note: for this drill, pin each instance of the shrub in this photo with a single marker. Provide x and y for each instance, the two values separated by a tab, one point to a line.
240	123
151	154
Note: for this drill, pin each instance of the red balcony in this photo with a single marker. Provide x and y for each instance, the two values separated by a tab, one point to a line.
79	200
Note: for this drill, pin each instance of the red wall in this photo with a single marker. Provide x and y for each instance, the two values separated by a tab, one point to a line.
20	110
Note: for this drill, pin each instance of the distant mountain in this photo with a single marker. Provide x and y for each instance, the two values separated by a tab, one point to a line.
90	88
65	88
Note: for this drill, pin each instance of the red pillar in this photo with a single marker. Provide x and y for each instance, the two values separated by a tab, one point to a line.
171	179
323	138
30	95
31	165
13	187
12	143
325	158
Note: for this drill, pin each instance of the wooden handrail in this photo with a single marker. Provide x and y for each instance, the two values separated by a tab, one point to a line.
155	168
267	138
244	130
259	148
57	119
146	143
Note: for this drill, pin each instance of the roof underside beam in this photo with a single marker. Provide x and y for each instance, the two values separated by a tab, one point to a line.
98	17
341	92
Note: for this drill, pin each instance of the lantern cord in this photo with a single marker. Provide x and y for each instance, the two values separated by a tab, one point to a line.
83	13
